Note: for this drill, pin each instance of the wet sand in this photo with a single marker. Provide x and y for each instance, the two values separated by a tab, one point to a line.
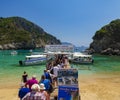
92	87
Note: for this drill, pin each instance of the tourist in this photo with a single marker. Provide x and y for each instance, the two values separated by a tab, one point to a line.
55	73
31	81
66	62
33	95
47	75
44	95
38	93
47	83
23	91
24	77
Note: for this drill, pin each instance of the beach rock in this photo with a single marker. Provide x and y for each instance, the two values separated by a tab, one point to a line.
8	46
110	51
89	51
1	47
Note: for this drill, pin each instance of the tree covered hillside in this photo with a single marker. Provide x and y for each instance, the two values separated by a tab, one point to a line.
107	39
19	33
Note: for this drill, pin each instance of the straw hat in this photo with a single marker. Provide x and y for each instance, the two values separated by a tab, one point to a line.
35	87
42	86
34	76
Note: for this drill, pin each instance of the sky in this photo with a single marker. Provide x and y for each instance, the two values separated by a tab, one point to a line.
74	21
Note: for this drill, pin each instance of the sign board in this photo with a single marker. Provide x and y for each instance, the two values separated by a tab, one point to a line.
59	48
67	77
68	93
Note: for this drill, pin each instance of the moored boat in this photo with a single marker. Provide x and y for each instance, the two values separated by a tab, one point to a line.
81	58
33	60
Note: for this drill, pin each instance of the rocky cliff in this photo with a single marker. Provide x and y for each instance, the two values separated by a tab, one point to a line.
19	33
107	39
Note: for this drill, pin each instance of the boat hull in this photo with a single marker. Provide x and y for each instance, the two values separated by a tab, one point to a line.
81	62
33	62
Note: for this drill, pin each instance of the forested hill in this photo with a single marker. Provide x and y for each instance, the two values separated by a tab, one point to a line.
19	33
107	39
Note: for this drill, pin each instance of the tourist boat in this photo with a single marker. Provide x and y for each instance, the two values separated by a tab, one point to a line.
81	58
34	60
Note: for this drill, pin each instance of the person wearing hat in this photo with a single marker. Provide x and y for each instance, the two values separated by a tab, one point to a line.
37	93
44	95
31	81
47	84
33	95
23	91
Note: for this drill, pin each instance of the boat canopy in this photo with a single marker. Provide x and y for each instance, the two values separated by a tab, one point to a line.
64	53
35	56
78	54
59	48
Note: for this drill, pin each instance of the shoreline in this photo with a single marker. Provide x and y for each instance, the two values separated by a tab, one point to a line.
92	87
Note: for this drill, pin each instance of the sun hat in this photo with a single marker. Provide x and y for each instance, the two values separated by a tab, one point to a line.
48	71
42	86
35	87
34	76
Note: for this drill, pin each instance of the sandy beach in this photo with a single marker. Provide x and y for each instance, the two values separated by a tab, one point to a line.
100	87
92	87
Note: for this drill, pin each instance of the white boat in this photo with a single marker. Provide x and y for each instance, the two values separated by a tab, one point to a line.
68	50
14	52
81	58
34	60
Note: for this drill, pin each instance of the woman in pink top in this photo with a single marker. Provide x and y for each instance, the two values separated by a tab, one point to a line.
31	81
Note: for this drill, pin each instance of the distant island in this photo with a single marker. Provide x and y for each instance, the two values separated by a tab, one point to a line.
19	33
107	39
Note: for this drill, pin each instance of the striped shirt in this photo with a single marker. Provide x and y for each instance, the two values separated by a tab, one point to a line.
34	96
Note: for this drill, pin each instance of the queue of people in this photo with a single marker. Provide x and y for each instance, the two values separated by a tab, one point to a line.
37	93
33	89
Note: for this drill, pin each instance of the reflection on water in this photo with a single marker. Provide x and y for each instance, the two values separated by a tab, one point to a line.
101	64
82	66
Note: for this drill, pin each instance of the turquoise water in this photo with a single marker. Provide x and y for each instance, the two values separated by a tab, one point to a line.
11	70
102	64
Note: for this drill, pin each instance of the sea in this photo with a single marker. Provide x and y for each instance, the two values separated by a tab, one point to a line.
11	70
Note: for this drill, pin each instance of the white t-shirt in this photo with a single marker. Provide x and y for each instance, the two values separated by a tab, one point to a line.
55	70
